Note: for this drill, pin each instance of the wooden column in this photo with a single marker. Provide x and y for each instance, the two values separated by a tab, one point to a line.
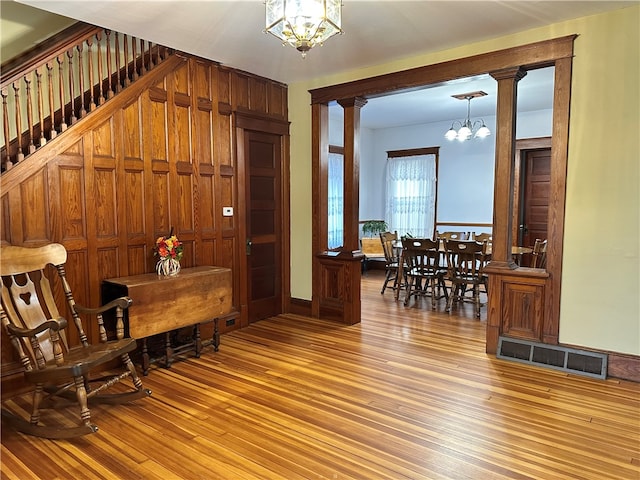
502	263
351	108
336	275
319	160
505	166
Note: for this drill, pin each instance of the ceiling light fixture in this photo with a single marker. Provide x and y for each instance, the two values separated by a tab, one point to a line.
477	129
303	24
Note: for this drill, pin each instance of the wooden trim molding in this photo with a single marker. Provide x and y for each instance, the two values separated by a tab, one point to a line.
522	145
61	143
626	367
619	365
45	51
533	55
507	66
413	152
299	306
466	224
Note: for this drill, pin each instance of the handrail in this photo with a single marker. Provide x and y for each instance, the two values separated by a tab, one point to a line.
63	79
45	51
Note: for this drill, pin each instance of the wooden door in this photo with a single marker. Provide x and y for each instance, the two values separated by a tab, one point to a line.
264	224
534	210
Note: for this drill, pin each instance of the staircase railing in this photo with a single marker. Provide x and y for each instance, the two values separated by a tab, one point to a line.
61	80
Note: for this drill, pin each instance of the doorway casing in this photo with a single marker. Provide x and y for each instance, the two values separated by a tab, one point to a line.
514	292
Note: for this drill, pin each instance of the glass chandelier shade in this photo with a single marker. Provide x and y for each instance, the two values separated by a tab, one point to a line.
467	129
303	24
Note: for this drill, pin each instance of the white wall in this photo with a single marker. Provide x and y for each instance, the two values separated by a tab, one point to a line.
465	177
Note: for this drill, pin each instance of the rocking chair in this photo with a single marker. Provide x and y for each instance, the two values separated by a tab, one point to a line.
39	334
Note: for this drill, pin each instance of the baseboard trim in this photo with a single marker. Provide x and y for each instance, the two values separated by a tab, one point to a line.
624	367
298	306
620	365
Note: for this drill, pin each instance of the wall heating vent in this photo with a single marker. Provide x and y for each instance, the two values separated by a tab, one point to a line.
553	356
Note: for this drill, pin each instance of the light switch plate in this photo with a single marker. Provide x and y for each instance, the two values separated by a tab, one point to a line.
227	211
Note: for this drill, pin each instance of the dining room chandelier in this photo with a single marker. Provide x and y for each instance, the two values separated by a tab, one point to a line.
467	129
303	24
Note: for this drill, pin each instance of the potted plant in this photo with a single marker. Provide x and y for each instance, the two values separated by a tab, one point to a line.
372	247
370	228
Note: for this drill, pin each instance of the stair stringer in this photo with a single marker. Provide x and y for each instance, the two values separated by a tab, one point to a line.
74	133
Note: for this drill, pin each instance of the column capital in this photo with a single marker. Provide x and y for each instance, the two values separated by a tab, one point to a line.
517	73
358	102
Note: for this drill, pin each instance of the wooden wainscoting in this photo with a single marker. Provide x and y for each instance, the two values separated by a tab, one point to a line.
522	295
160	155
339	292
408	393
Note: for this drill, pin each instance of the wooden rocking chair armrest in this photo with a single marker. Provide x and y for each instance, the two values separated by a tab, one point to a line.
55	324
122	302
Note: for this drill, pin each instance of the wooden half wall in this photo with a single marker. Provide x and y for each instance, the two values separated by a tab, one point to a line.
160	155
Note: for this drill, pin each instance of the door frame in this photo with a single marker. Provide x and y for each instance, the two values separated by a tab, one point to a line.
242	123
522	146
507	67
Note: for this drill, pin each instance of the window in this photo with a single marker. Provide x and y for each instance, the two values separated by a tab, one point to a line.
335	200
410	204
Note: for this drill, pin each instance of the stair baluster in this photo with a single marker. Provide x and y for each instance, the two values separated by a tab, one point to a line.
41	140
143	69
5	124
92	102
125	40
30	147
52	124
109	69
63	123
16	90
134	46
72	97
101	98
118	69
75	92
81	72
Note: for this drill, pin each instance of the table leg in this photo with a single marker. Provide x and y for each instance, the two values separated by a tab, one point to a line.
400	277
216	335
145	358
197	340
168	351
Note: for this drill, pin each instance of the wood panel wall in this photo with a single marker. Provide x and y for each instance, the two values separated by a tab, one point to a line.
160	155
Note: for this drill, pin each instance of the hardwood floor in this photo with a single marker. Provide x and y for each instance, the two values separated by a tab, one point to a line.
406	394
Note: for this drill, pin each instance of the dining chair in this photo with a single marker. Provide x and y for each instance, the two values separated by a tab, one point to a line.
452	235
425	275
539	254
58	369
465	267
481	237
391	258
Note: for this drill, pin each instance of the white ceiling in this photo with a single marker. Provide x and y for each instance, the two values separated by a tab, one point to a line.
375	32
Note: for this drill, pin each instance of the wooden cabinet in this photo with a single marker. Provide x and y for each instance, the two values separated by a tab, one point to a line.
517	306
164	304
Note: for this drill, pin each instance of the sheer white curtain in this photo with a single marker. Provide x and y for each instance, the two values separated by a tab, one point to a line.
335	200
411	195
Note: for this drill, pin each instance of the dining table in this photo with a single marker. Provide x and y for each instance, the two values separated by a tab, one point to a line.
516	251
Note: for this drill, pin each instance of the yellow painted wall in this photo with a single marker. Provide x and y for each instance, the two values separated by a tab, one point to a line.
22	27
600	298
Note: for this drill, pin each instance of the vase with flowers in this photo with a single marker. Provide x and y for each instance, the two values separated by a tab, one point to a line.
169	252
